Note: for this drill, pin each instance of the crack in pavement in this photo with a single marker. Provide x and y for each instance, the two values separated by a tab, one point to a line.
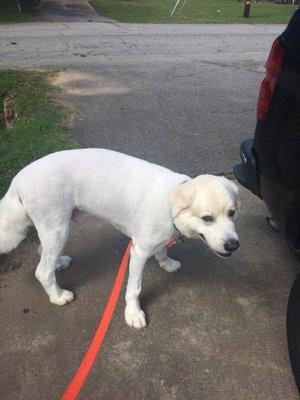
230	66
66	25
66	43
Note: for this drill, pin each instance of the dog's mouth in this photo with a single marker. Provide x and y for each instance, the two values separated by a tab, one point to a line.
203	238
223	255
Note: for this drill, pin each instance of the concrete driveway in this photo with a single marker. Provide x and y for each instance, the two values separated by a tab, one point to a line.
67	11
185	97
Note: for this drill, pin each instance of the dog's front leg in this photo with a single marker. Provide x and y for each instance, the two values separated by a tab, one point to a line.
134	315
165	262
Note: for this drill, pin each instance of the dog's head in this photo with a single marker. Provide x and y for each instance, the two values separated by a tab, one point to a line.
207	208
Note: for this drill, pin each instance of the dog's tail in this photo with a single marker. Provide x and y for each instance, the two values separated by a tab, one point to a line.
13	221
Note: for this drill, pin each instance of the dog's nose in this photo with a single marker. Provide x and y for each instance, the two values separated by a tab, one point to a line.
231	245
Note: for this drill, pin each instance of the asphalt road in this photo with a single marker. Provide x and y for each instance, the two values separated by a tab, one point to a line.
183	96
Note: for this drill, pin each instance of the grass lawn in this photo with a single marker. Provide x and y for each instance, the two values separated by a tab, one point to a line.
9	12
194	11
39	127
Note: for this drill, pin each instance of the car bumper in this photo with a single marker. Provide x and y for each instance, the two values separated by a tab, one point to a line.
246	172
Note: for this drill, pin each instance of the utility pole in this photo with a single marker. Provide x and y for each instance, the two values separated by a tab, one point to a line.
247	8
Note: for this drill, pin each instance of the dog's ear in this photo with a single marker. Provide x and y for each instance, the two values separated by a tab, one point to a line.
181	198
236	191
234	186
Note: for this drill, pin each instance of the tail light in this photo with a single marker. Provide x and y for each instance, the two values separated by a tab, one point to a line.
273	68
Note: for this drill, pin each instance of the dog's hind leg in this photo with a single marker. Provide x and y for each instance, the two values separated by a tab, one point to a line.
165	262
62	263
53	240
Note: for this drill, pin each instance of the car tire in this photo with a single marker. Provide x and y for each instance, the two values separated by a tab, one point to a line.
293	329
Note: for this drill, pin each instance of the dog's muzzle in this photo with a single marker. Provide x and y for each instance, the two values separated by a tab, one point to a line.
229	246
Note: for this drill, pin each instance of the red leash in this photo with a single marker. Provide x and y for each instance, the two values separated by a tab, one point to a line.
83	371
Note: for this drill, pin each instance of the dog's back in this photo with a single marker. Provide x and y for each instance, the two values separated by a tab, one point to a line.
112	185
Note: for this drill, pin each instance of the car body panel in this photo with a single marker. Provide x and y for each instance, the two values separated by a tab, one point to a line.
270	163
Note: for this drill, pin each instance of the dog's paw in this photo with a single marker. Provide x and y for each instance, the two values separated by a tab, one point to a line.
170	265
63	262
135	317
65	297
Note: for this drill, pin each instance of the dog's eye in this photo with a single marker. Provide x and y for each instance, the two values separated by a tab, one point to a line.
231	213
208	218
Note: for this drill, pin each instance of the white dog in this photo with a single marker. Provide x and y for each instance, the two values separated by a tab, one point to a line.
150	204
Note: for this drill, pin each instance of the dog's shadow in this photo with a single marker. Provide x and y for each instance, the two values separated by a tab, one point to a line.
197	267
205	273
93	264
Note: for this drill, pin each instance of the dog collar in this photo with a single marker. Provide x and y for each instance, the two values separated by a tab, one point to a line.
178	239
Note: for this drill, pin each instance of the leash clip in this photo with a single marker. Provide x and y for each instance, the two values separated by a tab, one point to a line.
179	239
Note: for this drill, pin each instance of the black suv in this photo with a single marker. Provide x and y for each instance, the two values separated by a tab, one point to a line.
270	163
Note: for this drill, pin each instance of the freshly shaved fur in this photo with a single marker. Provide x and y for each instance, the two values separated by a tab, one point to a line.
150	204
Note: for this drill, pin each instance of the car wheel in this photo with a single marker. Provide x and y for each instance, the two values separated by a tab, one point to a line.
293	329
